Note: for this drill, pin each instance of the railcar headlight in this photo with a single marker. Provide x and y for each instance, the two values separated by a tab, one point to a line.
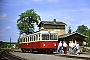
27	43
44	44
54	44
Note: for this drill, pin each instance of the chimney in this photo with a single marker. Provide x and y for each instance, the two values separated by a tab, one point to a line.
54	20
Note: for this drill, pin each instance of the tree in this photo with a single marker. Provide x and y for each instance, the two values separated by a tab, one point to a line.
17	44
69	30
82	29
26	21
88	37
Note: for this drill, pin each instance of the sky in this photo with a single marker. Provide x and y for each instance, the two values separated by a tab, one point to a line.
71	12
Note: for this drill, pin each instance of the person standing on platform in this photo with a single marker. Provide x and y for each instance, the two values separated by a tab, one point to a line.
71	47
77	48
14	47
60	48
65	47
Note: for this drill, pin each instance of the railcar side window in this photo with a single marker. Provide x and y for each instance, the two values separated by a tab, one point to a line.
28	39
36	37
31	38
45	36
24	40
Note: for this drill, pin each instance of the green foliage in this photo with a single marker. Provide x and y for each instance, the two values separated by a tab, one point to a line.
17	44
88	37
69	30
3	45
84	30
26	21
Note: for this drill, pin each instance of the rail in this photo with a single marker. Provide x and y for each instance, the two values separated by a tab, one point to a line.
5	55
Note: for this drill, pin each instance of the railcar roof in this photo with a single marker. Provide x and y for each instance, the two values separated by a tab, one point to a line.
53	32
40	32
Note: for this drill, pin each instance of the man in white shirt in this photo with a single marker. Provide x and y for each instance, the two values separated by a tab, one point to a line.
71	47
60	48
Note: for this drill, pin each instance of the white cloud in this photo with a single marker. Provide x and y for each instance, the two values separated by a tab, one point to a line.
45	0
79	10
85	9
2	16
1	34
1	30
36	0
53	0
69	18
8	27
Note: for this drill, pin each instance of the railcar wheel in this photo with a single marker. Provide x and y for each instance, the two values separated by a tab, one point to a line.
48	51
31	51
23	50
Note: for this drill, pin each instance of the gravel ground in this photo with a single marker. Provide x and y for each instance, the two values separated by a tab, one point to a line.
31	56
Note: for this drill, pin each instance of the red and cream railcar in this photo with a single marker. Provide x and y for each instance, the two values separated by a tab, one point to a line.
43	41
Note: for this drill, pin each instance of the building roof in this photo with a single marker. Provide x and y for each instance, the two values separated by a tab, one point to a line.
67	35
51	23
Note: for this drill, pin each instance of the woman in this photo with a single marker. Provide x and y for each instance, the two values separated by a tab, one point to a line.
77	48
65	47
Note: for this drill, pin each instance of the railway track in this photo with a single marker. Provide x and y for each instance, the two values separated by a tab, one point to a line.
5	55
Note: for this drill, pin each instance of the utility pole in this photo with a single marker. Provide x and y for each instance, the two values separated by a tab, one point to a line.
10	42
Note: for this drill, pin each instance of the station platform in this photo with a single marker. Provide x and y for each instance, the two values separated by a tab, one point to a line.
84	55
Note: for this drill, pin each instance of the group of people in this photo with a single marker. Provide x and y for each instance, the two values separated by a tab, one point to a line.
74	48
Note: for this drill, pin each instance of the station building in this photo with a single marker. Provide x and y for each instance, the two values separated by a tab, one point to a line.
59	27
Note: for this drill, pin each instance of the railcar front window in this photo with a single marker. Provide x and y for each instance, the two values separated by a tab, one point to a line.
45	36
53	37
